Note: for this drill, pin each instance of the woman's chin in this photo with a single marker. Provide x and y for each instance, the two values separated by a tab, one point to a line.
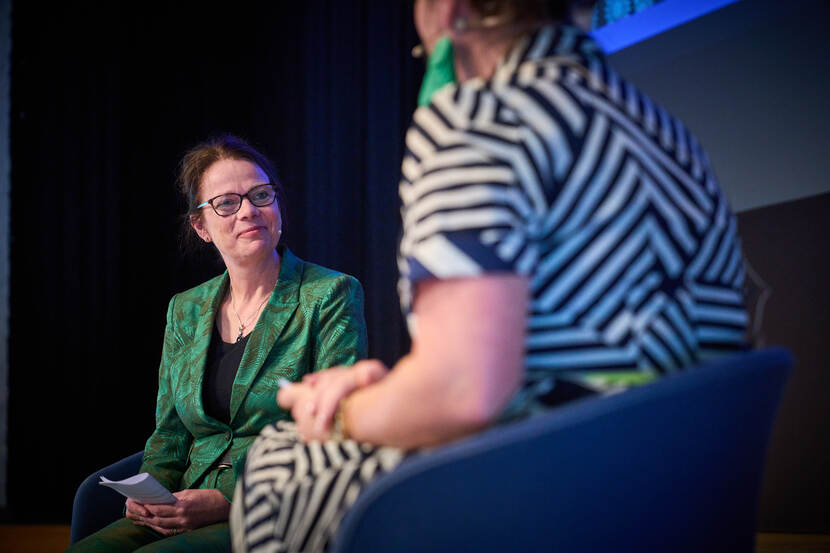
254	251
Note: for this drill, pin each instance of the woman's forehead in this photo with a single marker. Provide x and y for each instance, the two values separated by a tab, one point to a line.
231	173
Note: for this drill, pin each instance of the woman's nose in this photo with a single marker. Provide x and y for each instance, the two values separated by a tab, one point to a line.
247	208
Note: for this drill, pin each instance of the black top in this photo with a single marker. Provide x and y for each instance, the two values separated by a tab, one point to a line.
220	370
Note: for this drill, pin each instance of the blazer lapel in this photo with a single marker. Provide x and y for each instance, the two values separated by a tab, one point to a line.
201	342
284	300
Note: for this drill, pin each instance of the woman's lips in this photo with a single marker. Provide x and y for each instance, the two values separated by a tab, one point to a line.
250	231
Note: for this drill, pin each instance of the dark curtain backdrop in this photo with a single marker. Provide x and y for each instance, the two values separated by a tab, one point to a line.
105	99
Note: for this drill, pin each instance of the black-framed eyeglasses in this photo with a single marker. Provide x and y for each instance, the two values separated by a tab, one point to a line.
228	204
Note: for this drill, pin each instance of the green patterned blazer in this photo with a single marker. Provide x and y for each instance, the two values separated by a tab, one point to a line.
313	320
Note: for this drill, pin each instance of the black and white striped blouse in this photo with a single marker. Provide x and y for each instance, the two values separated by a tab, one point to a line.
558	169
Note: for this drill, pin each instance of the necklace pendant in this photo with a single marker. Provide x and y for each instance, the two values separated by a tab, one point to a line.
239	336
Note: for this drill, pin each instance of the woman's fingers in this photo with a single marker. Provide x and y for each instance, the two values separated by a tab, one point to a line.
311	379
164	511
136	509
164	526
314	401
287	395
333	385
330	398
164	531
370	371
166	523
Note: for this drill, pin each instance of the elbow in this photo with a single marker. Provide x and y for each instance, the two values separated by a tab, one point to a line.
483	406
477	415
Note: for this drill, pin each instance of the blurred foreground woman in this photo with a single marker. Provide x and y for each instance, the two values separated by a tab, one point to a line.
563	236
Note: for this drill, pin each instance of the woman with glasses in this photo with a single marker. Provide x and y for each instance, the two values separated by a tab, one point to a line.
563	236
227	343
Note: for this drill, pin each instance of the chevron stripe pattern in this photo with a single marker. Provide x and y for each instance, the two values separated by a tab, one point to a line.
560	170
293	495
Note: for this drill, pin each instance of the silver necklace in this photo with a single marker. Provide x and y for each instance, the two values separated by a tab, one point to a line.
248	320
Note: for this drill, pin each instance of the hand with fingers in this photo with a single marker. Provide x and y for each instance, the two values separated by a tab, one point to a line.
314	401
193	509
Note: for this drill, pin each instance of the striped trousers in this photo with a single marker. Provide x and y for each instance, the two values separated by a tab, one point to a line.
293	495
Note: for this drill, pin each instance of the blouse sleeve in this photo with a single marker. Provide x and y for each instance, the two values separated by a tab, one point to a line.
464	189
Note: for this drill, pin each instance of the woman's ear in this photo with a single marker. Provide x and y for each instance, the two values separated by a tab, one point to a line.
199	227
457	16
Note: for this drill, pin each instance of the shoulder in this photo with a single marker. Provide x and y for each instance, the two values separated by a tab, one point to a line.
464	126
318	283
189	304
459	107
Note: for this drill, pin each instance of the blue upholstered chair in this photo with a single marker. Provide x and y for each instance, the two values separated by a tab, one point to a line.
672	466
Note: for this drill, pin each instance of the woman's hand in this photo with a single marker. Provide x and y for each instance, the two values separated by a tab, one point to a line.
314	401
136	511
194	509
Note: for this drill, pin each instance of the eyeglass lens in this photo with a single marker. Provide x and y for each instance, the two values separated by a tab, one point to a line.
260	196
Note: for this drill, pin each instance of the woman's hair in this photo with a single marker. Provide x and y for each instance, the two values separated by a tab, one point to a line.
524	10
198	160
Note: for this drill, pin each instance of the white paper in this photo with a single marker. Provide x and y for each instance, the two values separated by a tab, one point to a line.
142	488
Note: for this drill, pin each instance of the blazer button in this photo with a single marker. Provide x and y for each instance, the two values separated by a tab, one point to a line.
228	435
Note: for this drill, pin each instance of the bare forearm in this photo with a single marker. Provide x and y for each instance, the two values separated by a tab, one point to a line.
408	410
466	364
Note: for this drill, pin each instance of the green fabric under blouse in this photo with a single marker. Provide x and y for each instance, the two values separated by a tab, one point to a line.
313	321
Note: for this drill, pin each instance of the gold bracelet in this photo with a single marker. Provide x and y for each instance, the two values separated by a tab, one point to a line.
338	429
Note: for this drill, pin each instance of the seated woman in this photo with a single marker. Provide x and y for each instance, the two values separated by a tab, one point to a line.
227	343
562	236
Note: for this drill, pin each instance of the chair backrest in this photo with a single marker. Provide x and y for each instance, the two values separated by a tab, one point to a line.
672	466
